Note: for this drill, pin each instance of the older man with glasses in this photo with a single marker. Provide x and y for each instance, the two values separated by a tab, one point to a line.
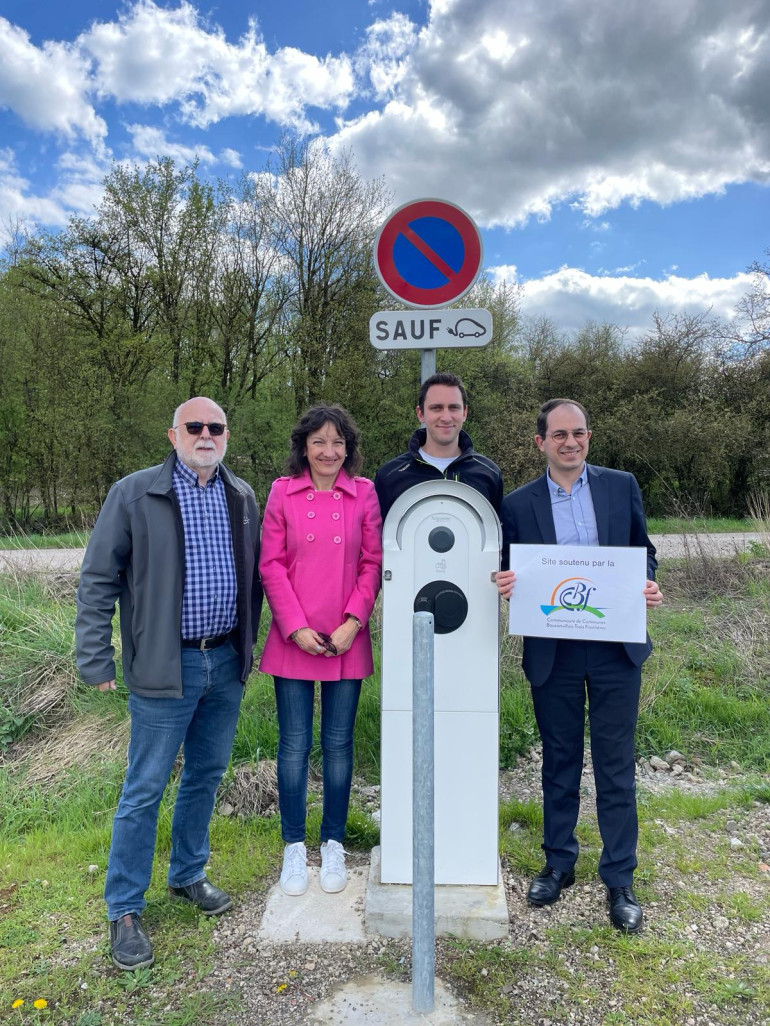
177	546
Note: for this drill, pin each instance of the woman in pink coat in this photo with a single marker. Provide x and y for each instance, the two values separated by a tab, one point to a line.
320	565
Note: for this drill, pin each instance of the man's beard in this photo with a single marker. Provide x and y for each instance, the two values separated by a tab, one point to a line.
201	458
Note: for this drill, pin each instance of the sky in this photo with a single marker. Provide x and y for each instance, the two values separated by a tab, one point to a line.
615	156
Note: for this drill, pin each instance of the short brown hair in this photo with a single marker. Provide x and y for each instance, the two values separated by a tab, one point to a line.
441	378
314	419
545	409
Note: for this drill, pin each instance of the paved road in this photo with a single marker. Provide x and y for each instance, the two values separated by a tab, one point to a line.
40	559
669	546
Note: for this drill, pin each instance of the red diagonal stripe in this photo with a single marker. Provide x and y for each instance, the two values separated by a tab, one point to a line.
428	253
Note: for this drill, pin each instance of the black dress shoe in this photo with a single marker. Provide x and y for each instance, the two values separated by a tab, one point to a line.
130	946
547	885
625	911
210	900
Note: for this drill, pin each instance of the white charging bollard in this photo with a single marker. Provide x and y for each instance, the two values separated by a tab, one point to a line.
441	544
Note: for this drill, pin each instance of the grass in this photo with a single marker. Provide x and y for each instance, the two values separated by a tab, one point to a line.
66	540
655	981
705	693
700	525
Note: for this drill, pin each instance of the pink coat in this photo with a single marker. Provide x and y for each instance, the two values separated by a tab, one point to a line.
321	559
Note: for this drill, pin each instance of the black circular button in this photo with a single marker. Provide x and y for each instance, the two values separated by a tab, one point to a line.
441	539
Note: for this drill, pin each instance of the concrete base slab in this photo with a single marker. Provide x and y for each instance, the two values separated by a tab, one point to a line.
469	911
377	1002
316	917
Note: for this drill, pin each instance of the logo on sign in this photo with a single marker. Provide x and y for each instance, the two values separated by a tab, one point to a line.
466	327
573	595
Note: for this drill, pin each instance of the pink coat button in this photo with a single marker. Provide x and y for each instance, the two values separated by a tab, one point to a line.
311	537
336	495
310	496
310	513
337	539
335	516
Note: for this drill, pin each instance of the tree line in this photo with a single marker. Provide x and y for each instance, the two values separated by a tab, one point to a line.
259	293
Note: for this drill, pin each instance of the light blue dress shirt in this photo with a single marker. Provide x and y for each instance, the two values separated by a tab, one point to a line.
573	513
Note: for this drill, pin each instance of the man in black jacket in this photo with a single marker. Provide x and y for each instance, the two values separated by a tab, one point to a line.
440	448
177	546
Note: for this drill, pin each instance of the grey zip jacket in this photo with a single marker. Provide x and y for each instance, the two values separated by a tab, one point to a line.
135	557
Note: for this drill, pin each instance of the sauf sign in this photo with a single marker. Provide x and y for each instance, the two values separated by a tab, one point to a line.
391	329
428	254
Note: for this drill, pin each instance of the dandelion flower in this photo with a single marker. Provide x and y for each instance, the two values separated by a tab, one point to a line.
40	1003
279	989
18	1003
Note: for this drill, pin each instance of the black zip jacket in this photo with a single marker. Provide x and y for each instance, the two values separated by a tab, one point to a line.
408	469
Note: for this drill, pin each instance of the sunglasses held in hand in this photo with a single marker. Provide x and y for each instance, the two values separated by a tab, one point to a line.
194	427
327	642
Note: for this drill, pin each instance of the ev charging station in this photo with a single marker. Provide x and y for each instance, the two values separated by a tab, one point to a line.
441	544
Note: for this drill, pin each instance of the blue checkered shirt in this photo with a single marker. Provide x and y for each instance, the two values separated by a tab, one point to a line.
210	587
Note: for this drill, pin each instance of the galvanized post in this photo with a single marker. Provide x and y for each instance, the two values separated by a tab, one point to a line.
427	364
423	872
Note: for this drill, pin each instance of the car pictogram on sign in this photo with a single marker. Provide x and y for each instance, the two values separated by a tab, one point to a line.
466	327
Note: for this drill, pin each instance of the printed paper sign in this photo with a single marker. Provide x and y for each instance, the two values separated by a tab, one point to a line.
582	592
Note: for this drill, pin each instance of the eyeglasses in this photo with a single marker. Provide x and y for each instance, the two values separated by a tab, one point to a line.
561	436
194	427
327	642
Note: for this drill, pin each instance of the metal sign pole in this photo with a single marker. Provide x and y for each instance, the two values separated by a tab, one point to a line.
423	855
427	364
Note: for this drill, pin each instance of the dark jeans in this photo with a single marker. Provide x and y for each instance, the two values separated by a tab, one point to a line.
203	721
294	701
602	672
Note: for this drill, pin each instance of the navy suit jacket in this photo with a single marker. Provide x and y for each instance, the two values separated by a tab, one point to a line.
528	520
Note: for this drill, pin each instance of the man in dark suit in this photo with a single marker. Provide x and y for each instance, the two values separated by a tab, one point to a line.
577	504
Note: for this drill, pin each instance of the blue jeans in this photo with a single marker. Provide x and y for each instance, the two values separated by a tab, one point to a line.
203	721
294	702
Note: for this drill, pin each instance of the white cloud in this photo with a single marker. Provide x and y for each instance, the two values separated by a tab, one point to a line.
47	87
510	109
570	297
18	203
151	142
384	55
157	55
231	157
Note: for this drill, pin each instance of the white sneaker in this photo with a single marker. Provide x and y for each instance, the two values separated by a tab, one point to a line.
294	872
334	876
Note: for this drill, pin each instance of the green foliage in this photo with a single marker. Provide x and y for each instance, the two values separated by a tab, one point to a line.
259	293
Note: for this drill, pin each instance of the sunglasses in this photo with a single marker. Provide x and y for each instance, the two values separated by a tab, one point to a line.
327	643
194	427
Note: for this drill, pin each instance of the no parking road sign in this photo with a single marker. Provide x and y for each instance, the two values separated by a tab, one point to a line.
428	253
